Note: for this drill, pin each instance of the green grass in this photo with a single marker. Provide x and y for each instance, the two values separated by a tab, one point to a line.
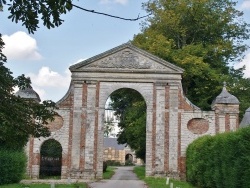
109	172
78	185
158	182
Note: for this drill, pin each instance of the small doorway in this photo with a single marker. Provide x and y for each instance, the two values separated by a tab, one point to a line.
129	158
51	159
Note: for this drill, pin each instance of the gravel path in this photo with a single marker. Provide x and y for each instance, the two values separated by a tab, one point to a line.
123	178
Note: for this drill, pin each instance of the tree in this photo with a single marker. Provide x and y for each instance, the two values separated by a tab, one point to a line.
203	37
28	12
130	107
20	118
108	127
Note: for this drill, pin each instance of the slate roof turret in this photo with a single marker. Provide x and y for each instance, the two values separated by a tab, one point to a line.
28	93
225	97
246	119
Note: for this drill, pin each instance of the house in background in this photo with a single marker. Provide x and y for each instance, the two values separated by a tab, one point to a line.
118	152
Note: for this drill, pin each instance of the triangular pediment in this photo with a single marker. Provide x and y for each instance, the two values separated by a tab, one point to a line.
126	57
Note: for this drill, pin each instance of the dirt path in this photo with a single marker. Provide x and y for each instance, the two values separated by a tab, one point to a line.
123	178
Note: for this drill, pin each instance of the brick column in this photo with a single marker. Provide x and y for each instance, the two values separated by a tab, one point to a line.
153	129
166	142
83	126
90	135
173	129
96	127
76	133
160	129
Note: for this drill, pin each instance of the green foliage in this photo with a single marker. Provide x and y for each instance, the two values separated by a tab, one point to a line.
108	173
29	12
12	166
153	182
51	148
108	128
202	37
20	118
113	163
129	163
130	106
220	161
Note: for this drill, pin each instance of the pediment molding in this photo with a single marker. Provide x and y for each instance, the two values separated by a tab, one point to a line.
125	58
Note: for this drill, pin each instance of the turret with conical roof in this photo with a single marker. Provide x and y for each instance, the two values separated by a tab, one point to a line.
246	119
226	107
225	97
28	93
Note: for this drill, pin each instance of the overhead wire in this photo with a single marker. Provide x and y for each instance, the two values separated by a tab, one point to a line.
110	15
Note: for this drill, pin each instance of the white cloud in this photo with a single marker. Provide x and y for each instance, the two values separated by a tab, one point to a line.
20	46
246	62
50	84
122	2
48	78
245	5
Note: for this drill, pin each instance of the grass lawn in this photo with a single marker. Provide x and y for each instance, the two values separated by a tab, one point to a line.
107	175
78	185
109	172
158	182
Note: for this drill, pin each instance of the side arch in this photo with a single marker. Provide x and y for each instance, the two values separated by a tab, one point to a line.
50	159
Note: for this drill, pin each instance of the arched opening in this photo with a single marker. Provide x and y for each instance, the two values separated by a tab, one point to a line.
129	108
51	159
129	157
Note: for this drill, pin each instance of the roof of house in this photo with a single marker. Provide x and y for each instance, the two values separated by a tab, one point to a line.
112	143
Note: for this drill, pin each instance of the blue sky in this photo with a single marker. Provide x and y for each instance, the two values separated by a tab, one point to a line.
47	55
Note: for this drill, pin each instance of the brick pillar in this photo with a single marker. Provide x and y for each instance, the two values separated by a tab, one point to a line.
83	126
90	131
166	142
226	117
76	133
160	129
173	130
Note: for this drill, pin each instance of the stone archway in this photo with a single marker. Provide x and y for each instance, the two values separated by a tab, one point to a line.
93	80
172	121
50	159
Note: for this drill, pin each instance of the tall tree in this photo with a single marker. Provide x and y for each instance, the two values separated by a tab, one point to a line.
20	118
203	37
130	107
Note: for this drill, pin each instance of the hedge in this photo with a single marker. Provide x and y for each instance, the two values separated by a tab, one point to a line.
12	166
220	161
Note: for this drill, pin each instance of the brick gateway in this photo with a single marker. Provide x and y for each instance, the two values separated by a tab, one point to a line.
173	121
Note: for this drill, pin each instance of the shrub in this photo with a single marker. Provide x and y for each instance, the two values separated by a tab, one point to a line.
221	161
113	163
12	166
129	163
